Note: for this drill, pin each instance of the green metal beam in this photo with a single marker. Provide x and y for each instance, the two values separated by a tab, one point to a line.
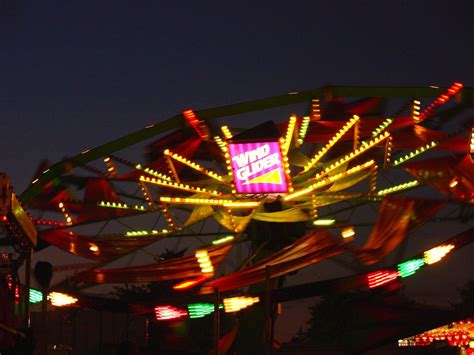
209	114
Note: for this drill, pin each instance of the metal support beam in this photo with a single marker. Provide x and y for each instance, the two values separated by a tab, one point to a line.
216	321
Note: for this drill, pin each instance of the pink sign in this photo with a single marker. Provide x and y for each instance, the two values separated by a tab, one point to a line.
257	168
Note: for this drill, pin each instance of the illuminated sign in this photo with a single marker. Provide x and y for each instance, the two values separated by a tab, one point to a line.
257	167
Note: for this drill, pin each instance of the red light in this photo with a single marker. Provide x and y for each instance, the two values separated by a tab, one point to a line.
169	313
187	284
190	116
4	218
452	90
17	289
380	278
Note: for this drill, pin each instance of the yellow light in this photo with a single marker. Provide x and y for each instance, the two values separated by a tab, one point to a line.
364	147
61	299
119	205
194	166
220	143
397	188
210	202
348	232
241	204
154	173
235	304
453	183
204	261
178	186
65	212
331	142
223	240
226	132
327	180
324	222
416	111
289	135
382	127
303	129
145	233
471	145
436	254
417	152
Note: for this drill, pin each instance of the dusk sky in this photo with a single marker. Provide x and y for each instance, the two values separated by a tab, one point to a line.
77	74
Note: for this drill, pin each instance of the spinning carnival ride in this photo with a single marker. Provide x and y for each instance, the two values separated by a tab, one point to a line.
289	192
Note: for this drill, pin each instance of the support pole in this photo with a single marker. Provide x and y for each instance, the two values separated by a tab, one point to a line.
216	321
27	319
101	333
44	323
21	298
268	311
13	295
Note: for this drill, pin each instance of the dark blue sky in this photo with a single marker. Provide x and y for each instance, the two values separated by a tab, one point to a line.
77	74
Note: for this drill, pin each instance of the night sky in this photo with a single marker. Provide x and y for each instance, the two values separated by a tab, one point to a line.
77	74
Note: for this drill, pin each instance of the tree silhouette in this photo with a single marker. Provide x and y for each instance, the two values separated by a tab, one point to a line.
466	306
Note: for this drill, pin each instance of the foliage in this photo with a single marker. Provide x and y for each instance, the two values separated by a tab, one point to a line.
332	318
466	306
150	291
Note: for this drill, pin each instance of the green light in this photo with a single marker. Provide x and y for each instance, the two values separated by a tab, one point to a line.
222	240
145	233
397	188
409	267
119	205
415	153
324	222
199	310
35	296
381	127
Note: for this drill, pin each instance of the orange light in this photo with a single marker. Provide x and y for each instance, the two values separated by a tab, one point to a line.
348	232
315	110
416	110
65	212
184	285
205	262
453	183
235	304
436	254
59	299
471	145
111	168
